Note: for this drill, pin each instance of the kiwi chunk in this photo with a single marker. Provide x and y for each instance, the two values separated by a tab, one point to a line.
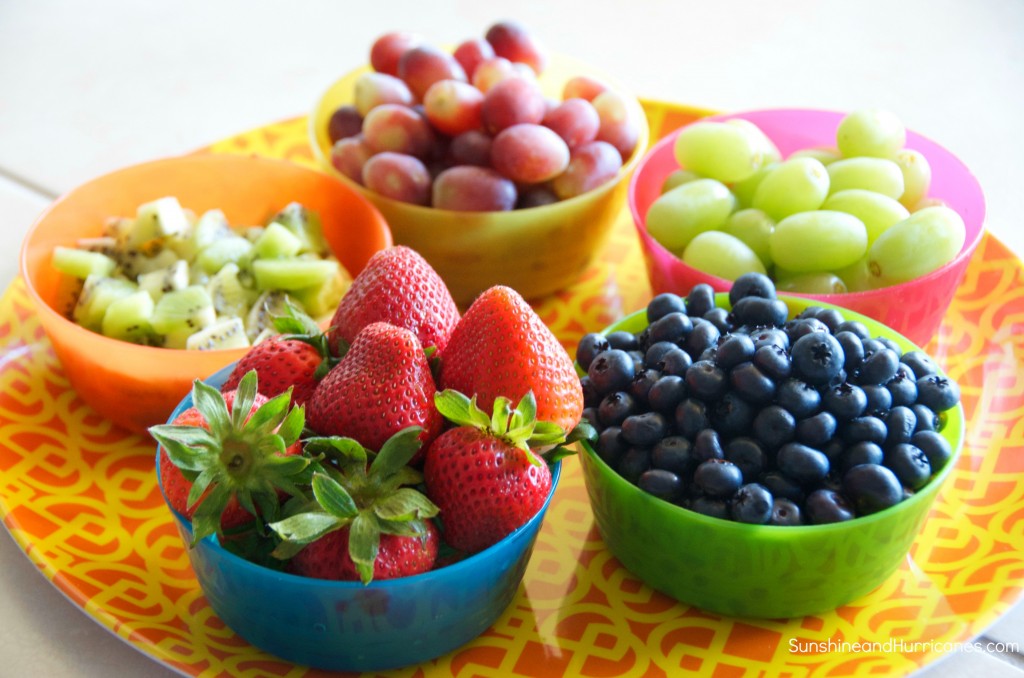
97	294
293	274
225	333
276	242
82	263
128	318
181	313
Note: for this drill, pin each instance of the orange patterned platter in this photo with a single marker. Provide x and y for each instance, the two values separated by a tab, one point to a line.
80	498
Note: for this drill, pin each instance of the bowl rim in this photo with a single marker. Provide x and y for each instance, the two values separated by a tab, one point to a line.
213	158
625	171
925	494
640	221
447	571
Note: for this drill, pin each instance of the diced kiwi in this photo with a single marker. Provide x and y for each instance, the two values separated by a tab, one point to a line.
181	313
320	300
276	242
210	226
225	333
293	274
103	245
159	282
82	263
305	225
157	220
97	294
136	262
230	297
261	315
232	249
128	318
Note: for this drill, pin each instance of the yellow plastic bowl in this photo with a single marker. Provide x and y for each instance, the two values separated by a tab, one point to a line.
537	251
138	386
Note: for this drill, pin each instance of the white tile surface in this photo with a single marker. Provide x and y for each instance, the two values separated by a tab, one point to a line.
87	87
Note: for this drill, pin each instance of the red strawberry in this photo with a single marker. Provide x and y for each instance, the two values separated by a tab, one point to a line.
398	556
483	475
381	386
236	456
399	287
502	348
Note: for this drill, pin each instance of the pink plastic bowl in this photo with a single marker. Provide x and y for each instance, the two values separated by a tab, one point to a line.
914	309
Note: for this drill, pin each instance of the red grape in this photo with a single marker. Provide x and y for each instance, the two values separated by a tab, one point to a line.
398	176
512	41
374	89
388	48
590	165
575	120
471	148
344	122
422	66
472	53
491	71
453	107
392	127
582	87
620	125
536	196
513	101
348	156
473	189
529	154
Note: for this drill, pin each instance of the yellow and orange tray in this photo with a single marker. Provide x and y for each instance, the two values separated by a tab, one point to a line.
80	498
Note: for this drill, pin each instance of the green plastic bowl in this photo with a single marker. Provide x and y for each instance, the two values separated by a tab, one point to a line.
765	571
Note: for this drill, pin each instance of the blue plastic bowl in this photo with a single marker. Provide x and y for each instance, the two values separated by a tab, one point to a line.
346	626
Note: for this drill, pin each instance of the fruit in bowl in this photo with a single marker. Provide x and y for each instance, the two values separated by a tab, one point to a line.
806	197
137	386
748	428
472	153
394	523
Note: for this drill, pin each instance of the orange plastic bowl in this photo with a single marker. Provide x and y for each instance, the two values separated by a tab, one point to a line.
914	309
138	386
536	251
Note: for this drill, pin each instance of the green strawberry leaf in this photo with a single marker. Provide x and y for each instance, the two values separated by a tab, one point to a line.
403	528
206	519
305	528
271	413
185	451
396	452
292	426
245	398
547	433
212	407
405	504
333	497
202	482
460	410
501	414
584	430
343	450
364	544
526	411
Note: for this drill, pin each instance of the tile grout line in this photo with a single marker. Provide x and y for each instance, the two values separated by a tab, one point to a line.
28	185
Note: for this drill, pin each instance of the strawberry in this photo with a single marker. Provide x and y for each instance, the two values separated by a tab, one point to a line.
381	386
399	287
365	521
224	460
298	358
482	473
502	348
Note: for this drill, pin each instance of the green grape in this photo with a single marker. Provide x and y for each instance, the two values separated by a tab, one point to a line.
793	186
870	132
678	178
744	190
877	211
825	156
716	150
926	240
856	276
811	283
821	240
721	254
871	174
753	227
675	217
771	152
917	176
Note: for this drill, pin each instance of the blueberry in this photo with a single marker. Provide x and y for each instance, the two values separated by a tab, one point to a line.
831	317
748	455
759	311
591	398
935	447
910	464
610	446
798	397
856	327
642	383
708	354
638	359
752	384
676	362
751	285
615	407
691	417
732	415
937	392
720	318
868	429
845	401
927	420
634	462
674	454
752	504
891	345
666	394
785	513
644	430
611	370
879	399
674	327
827	506
706	381
832	450
700	300
879	367
774	361
872	488
817	357
655	352
590	414
704	335
919	363
662	484
734	349
816	430
774	426
589	346
782	486
900	422
770	336
663	304
902	388
707	445
622	340
717	478
853	349
856	454
708	506
803	464
799	327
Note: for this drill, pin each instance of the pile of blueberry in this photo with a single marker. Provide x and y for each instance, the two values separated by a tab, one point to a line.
750	416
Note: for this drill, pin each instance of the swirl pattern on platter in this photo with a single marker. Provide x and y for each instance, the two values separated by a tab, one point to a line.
81	499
